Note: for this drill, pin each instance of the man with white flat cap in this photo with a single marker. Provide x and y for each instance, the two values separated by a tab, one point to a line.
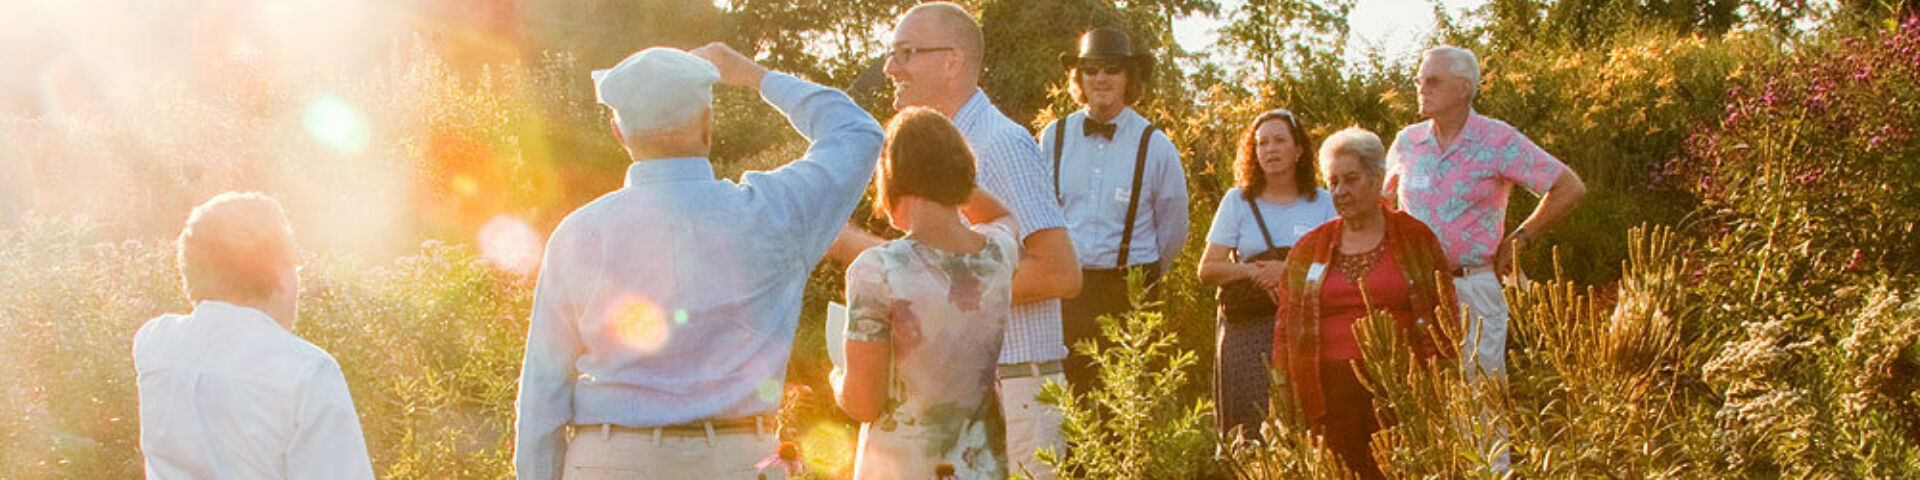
665	311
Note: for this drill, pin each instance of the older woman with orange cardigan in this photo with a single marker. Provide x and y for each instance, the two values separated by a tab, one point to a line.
1371	258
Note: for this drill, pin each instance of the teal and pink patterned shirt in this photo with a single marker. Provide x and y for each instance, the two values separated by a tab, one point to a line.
1461	191
942	314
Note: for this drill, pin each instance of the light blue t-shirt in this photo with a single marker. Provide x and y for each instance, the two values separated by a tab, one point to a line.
1234	226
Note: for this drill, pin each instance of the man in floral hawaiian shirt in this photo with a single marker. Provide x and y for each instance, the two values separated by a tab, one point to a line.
1454	172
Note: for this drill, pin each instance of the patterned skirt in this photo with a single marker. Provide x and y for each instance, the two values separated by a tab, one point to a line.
1240	375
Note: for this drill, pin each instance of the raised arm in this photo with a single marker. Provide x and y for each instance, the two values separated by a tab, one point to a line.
821	188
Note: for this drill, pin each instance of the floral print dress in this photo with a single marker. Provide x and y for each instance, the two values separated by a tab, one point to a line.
943	313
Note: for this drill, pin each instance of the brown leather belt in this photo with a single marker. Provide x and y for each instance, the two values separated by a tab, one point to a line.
1030	369
1463	272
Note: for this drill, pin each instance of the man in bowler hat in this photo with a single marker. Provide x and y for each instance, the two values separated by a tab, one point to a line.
1118	180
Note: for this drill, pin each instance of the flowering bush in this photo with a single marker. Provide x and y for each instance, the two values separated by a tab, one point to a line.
1814	153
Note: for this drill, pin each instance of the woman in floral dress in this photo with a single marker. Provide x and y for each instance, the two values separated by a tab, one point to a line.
925	314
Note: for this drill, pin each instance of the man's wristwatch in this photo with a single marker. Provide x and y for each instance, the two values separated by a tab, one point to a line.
1520	235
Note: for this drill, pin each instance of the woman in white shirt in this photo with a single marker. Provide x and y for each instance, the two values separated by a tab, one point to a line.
1275	200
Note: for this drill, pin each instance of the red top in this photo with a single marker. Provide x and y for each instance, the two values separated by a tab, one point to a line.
1341	304
1296	332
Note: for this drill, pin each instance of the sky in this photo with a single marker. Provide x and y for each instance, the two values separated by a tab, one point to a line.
1396	27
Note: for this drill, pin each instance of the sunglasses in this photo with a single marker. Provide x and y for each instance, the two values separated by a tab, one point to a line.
1104	68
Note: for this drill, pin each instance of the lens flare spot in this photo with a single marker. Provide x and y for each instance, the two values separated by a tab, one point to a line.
770	390
465	185
337	125
680	317
827	447
510	244
638	323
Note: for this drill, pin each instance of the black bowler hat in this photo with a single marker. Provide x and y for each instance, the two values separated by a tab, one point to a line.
1108	45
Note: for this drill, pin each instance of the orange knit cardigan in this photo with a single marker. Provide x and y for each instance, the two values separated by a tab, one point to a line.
1296	337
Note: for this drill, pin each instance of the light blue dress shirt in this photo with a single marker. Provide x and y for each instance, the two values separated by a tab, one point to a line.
1096	184
675	298
1234	226
1012	169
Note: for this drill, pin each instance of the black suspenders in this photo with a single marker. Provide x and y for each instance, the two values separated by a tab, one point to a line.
1133	201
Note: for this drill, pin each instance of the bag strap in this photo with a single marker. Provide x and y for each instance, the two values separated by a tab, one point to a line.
1261	220
1059	138
1133	201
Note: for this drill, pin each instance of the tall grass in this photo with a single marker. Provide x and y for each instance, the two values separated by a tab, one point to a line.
1772	332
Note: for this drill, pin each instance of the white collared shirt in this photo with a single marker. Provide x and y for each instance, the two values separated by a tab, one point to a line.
1095	181
227	393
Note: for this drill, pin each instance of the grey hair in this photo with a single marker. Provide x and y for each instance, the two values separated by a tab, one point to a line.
1358	142
633	133
1461	62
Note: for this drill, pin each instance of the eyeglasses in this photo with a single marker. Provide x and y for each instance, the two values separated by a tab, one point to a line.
1104	68
905	54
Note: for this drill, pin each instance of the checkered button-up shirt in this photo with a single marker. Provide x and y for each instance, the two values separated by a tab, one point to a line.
1013	170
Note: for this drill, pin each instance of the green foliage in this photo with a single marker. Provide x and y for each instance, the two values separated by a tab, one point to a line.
430	346
1605	389
1771	333
1137	426
1616	114
601	32
1808	201
68	408
1642	384
1828	134
1287	35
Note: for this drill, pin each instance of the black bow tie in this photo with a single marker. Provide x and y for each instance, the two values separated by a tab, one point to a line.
1091	128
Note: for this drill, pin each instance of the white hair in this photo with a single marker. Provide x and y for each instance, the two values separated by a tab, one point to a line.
1358	142
1460	62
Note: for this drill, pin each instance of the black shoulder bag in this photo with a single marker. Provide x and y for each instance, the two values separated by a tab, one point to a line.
1241	300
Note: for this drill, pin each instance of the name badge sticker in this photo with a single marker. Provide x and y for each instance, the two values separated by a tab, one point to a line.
1420	182
1316	271
1120	194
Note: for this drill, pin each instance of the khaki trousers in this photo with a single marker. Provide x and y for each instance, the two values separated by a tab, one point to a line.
1031	425
1483	346
596	454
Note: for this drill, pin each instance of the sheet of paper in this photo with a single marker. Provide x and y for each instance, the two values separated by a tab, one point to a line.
837	335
